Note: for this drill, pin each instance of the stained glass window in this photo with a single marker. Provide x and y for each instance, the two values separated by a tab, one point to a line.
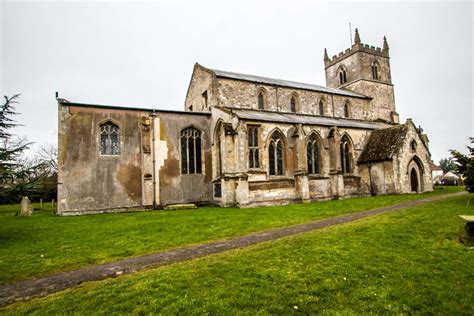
109	139
191	161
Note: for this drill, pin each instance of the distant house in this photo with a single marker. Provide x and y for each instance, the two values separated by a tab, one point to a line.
436	172
450	178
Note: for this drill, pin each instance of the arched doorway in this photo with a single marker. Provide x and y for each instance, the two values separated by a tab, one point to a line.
414	180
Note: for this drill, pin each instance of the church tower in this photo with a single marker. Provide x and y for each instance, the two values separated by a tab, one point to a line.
365	69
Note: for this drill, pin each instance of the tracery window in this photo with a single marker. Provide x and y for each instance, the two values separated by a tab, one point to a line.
275	155
261	101
293	104
321	107
109	139
254	159
346	164
312	151
191	162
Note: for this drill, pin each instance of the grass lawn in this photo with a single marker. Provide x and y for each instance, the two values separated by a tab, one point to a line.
44	243
407	262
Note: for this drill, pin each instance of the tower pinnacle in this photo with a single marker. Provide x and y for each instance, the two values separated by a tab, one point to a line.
326	57
357	37
385	45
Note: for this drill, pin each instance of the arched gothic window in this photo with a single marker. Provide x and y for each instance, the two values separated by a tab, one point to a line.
375	70
254	158
293	104
109	139
312	150
275	155
346	164
191	162
261	101
342	76
321	107
346	109
413	145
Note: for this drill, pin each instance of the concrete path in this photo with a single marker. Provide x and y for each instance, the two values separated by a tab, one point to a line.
61	281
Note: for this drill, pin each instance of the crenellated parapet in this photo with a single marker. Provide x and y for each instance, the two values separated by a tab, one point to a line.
357	47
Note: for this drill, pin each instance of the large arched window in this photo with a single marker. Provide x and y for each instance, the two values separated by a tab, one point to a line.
109	139
342	75
191	162
254	157
346	163
375	70
293	104
346	109
275	155
312	151
261	100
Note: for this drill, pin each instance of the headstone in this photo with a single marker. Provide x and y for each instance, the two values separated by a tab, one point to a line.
26	207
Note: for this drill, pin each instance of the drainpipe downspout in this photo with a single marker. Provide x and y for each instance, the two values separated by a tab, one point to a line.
153	116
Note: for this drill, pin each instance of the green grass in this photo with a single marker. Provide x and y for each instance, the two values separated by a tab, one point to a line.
406	262
44	244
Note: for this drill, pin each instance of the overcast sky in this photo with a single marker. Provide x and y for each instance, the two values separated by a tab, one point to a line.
142	54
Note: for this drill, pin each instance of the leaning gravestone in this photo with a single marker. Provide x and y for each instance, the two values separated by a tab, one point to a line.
26	207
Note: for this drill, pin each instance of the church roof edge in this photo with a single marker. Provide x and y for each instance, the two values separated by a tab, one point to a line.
284	83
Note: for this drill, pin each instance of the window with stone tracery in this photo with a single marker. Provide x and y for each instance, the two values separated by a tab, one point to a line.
109	139
191	162
275	155
345	152
312	151
254	159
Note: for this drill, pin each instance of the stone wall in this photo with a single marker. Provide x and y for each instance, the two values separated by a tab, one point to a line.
93	183
88	181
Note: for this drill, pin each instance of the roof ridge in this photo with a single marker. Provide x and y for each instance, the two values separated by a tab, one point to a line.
284	82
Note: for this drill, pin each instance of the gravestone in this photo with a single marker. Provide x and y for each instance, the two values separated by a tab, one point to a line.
26	207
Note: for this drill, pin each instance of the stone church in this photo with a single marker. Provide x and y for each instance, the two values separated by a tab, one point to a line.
245	140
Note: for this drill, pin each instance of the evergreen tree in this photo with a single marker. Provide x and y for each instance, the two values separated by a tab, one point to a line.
465	166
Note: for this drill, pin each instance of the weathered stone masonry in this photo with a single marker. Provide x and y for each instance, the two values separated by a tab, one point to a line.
246	140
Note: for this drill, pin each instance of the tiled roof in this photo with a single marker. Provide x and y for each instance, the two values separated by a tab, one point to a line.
383	144
294	118
286	83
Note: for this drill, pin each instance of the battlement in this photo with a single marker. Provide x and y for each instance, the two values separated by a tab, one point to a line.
358	47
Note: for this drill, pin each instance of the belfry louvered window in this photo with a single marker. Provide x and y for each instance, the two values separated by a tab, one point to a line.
191	162
254	161
109	139
275	155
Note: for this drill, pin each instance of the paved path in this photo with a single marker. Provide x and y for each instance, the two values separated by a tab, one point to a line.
61	281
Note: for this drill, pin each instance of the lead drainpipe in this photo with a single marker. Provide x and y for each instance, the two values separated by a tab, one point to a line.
153	116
